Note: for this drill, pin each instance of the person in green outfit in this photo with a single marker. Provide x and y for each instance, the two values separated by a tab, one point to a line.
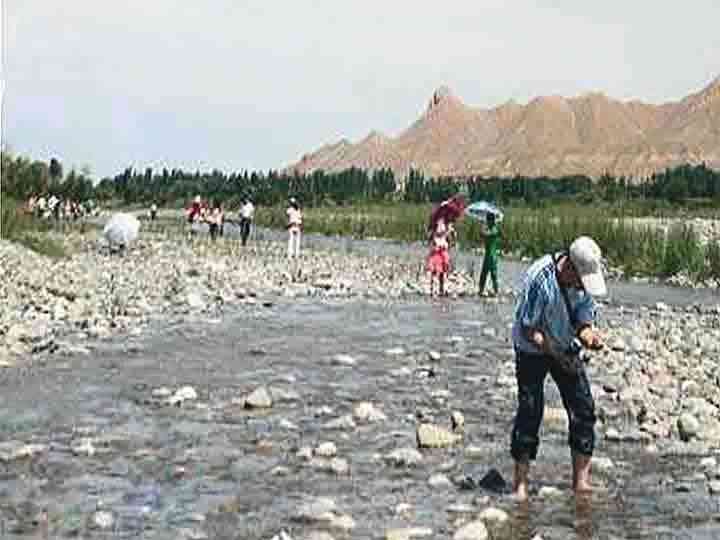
492	250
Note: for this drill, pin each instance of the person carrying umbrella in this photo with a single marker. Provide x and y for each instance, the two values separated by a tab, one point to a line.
491	235
441	233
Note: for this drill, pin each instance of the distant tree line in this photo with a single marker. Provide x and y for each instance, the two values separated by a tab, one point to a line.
22	177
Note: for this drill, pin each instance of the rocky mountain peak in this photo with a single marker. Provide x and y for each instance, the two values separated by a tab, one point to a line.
590	134
441	98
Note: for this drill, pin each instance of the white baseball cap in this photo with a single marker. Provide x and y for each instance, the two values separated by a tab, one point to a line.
586	256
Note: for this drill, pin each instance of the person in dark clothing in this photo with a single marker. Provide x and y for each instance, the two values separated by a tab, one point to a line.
492	250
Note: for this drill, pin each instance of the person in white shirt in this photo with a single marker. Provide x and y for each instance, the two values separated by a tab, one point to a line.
294	228
247	214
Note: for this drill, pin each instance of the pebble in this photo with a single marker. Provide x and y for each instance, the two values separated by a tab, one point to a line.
549	492
367	412
404	457
439	481
258	399
344	360
475	530
83	447
343	422
185	393
408	533
326	449
103	520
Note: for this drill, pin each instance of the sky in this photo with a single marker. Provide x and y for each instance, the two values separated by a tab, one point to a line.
241	84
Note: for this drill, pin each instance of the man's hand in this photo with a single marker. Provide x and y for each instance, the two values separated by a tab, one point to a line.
591	339
537	338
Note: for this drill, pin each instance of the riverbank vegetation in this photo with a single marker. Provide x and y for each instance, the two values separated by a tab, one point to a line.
637	249
542	213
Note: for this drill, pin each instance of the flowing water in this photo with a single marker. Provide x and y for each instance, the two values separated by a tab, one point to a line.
139	445
211	469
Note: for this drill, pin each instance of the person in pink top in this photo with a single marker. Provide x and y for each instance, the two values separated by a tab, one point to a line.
438	262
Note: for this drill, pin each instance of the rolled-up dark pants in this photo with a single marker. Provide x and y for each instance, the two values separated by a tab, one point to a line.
531	370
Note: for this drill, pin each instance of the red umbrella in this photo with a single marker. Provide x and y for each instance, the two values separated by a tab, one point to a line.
450	210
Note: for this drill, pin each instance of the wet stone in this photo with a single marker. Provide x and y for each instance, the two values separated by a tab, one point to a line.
83	447
103	520
404	457
15	450
432	436
408	533
434	356
343	360
460	508
439	481
367	412
319	535
495	519
714	487
258	399
343	422
326	449
688	426
549	492
475	530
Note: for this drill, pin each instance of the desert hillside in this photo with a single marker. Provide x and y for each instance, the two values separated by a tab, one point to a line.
591	134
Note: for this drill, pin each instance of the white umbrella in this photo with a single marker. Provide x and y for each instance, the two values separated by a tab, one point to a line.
121	229
479	211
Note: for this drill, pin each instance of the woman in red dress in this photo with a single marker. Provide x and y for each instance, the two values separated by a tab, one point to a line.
438	262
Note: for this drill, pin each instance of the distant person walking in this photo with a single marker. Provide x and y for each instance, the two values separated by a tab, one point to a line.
193	213
215	220
294	227
247	214
491	234
153	212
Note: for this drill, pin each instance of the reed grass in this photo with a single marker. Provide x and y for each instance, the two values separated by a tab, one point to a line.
638	249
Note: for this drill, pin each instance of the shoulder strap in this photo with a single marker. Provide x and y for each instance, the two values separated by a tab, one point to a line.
563	291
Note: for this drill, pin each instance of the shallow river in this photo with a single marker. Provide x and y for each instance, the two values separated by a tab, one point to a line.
227	454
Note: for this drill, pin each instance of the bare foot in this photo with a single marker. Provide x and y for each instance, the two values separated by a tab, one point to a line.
583	488
520	493
520	481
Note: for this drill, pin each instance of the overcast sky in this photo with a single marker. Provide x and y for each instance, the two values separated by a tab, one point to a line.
235	84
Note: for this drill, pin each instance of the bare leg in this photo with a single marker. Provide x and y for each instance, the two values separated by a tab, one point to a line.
582	466
520	480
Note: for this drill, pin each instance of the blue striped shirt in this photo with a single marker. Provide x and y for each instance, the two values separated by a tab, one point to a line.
541	305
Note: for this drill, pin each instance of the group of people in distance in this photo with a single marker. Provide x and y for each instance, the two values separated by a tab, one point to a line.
55	207
200	212
442	236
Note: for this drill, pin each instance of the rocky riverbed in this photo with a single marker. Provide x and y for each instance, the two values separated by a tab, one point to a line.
198	390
